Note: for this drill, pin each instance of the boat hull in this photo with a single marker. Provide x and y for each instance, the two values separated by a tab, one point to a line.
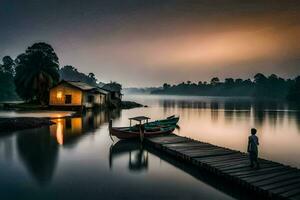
124	134
164	122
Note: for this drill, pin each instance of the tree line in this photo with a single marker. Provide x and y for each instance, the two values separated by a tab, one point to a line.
260	86
31	75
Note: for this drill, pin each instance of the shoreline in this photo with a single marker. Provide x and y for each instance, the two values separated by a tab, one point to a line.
8	125
7	106
12	124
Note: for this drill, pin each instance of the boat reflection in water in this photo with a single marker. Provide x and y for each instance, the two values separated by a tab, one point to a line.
137	155
38	148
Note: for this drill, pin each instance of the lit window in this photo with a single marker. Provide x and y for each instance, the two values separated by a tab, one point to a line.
59	95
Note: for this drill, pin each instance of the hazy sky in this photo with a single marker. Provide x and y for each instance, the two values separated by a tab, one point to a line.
149	42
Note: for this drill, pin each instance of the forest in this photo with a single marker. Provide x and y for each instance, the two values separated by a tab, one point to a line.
261	86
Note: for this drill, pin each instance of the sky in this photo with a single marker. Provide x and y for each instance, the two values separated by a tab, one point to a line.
149	42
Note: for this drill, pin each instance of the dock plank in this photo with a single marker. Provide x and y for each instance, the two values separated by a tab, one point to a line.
296	197
277	180
291	193
281	184
285	189
272	179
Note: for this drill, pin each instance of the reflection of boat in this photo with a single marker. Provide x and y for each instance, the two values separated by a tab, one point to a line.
138	160
141	130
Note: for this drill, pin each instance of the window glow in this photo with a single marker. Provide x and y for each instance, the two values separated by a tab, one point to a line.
59	95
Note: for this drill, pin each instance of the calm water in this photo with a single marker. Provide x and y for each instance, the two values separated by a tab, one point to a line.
77	159
227	122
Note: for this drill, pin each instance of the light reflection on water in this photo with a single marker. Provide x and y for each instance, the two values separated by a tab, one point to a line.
227	122
76	158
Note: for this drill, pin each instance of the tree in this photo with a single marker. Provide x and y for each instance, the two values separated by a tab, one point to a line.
166	86
260	79
8	65
36	72
215	81
229	81
261	82
294	91
70	73
91	79
238	81
45	48
92	76
7	85
115	85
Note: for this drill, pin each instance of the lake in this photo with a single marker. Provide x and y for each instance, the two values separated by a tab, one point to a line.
76	158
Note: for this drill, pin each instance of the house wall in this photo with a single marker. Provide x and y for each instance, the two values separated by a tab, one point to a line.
65	89
103	99
99	99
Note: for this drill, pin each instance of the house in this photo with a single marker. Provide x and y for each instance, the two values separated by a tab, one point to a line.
77	94
114	90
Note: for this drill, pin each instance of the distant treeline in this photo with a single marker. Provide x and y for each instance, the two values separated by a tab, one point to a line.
32	73
260	87
147	90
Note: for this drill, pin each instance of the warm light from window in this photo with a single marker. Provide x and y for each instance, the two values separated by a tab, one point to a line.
59	95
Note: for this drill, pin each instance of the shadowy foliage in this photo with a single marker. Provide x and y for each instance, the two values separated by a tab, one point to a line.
70	73
114	86
294	91
36	72
261	87
7	86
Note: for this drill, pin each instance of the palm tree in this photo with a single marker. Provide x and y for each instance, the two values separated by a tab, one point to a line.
36	72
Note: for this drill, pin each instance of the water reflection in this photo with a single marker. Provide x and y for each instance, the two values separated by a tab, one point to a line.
274	111
39	153
226	122
138	161
137	155
67	131
39	148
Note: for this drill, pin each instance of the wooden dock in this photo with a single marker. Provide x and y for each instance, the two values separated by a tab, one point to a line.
272	180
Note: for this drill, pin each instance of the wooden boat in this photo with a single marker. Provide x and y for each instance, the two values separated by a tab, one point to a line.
126	133
137	132
172	120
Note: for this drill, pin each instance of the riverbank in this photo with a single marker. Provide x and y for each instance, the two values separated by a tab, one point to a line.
21	123
39	115
36	107
130	105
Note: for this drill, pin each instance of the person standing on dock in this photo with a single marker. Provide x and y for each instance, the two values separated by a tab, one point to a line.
253	149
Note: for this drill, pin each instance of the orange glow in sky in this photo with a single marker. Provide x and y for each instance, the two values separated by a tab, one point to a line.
147	44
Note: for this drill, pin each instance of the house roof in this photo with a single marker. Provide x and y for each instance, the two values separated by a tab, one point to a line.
81	85
102	91
84	86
